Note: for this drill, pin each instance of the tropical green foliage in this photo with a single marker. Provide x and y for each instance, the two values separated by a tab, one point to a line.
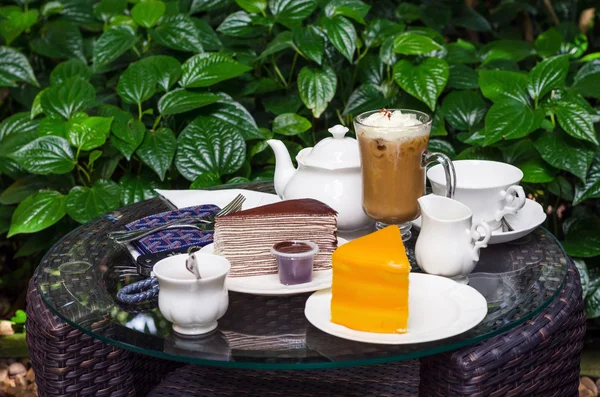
106	100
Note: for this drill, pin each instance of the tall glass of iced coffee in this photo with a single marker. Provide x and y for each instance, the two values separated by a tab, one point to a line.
394	156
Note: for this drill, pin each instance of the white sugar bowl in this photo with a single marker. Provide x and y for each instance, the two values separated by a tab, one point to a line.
193	305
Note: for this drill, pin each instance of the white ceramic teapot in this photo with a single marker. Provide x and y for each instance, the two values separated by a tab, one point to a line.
329	172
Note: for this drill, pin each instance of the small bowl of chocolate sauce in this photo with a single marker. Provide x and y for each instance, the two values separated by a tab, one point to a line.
295	260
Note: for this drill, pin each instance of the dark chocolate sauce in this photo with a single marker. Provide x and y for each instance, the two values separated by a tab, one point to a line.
289	247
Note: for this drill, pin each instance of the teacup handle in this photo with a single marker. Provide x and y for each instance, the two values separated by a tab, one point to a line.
476	237
515	197
450	173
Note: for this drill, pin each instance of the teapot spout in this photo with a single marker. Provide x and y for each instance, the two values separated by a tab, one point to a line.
284	169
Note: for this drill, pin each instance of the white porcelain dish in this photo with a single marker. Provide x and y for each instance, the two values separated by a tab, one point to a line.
524	222
439	308
270	285
188	198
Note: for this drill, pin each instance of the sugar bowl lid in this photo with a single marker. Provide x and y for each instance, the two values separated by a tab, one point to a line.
336	152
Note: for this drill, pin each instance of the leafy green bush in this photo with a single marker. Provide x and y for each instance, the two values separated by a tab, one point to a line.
107	100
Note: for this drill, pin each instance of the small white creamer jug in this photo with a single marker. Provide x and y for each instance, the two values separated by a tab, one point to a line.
448	244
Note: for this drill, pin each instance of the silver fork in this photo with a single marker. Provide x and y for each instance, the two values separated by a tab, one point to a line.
126	236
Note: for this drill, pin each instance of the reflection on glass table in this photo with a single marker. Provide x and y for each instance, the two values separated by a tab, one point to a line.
80	276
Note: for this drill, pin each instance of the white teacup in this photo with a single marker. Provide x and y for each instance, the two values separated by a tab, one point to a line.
489	188
193	305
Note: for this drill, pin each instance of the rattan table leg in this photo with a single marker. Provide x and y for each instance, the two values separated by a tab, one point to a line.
538	358
70	363
385	380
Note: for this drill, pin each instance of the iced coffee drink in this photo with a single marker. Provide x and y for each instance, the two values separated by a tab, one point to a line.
393	150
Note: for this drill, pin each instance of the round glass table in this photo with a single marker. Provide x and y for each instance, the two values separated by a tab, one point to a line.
79	278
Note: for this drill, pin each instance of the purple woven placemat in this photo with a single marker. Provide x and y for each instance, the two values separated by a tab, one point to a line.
176	237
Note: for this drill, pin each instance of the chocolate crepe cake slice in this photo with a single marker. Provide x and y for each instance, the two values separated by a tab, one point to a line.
246	237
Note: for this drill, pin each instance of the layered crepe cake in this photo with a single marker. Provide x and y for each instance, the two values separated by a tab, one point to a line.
246	237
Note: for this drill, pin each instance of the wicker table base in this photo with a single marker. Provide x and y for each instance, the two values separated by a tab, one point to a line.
539	358
387	380
70	363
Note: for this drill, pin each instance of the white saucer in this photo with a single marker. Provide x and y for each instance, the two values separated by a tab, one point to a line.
439	308
270	285
524	222
188	198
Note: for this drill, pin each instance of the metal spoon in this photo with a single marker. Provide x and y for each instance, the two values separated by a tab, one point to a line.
191	263
506	226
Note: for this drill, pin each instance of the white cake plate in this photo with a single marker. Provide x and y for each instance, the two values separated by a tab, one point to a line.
524	222
438	308
270	285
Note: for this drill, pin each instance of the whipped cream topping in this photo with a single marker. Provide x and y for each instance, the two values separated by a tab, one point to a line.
392	125
387	118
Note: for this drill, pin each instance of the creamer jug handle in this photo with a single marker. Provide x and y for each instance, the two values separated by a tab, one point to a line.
476	238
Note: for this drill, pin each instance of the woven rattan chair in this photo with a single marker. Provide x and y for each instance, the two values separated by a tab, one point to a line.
397	380
538	358
70	363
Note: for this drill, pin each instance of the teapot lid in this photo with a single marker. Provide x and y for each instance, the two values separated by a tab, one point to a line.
335	152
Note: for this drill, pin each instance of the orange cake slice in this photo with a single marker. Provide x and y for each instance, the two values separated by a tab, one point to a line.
370	283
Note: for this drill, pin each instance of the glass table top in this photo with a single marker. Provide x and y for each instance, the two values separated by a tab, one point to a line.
80	276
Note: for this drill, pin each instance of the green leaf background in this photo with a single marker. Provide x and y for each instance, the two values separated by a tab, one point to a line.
103	101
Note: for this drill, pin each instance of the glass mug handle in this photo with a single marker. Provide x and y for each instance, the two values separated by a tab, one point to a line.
432	157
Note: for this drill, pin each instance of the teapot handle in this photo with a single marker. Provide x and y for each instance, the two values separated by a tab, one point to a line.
478	240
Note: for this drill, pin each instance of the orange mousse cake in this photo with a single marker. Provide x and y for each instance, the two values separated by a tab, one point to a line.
370	283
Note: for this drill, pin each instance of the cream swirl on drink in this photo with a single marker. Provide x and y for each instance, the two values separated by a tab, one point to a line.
392	125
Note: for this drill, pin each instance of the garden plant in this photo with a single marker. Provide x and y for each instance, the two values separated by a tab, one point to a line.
101	102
